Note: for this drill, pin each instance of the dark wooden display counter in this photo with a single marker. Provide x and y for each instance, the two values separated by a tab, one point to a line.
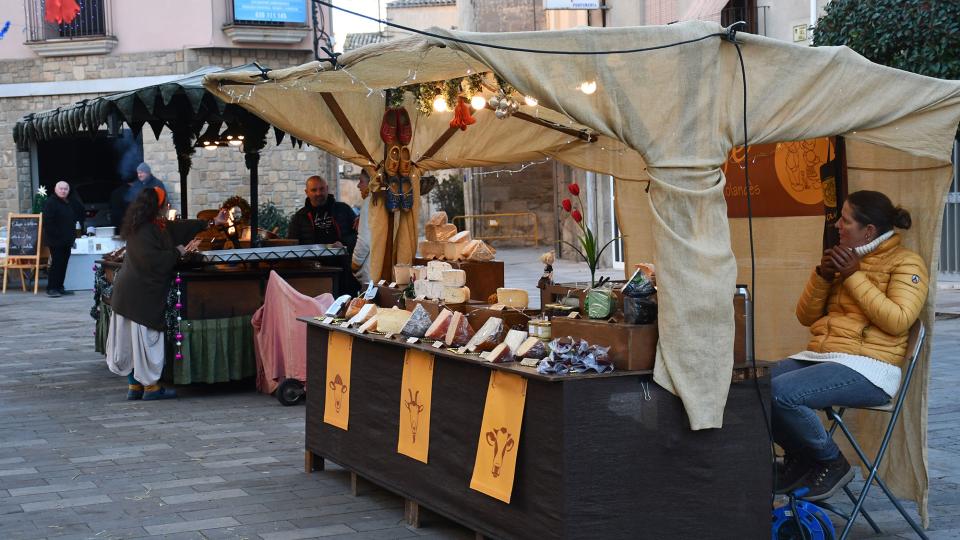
599	456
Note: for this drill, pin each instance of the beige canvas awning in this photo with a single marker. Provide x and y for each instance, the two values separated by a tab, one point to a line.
669	116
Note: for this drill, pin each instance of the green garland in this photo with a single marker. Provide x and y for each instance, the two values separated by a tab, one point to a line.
451	90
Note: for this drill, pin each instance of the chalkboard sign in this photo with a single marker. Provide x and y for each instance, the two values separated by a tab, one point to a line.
23	238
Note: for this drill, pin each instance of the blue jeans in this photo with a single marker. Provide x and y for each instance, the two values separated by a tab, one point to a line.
801	388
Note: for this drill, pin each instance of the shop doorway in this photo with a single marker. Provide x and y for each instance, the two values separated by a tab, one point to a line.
93	166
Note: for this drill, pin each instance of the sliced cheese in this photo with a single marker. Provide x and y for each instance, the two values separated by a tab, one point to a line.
435	270
453	278
478	250
500	353
459	331
391	321
369	326
461	237
430	250
438	330
514	339
456	295
367	311
452	251
488	336
531	348
514	298
437	218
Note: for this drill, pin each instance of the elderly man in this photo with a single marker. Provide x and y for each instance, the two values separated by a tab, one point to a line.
61	213
323	220
146	179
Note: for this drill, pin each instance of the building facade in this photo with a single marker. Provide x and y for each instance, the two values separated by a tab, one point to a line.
113	46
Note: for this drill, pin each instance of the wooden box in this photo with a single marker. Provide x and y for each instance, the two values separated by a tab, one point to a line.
388	297
633	347
483	278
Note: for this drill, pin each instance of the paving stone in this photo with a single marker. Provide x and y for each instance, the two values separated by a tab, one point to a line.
66	503
206	496
316	532
185	526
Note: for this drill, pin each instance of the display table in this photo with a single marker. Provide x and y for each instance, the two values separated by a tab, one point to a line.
85	253
599	456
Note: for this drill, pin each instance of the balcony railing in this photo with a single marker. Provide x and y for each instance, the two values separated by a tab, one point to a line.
93	21
756	18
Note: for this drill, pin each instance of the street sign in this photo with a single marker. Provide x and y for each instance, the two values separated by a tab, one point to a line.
571	4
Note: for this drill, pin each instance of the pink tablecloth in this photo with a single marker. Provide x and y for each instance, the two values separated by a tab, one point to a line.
280	340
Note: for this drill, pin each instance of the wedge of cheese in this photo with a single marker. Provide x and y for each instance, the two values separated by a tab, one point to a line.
514	340
499	354
531	348
368	326
435	270
418	323
514	298
437	218
401	274
438	330
391	321
430	250
488	336
354	307
435	290
478	250
456	295
461	237
453	251
367	311
459	331
453	278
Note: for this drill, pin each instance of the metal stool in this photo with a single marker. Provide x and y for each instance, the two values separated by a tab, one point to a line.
914	346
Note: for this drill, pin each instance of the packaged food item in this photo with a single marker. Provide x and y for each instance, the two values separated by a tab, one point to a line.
418	323
599	303
354	307
500	353
514	339
338	307
572	355
639	299
438	330
488	336
362	316
459	331
532	348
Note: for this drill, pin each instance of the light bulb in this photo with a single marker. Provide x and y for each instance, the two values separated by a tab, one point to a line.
478	102
236	142
531	101
209	146
588	87
440	104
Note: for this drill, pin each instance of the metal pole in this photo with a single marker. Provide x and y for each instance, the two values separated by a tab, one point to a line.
252	160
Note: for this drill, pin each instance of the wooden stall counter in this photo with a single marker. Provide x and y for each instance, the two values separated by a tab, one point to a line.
598	456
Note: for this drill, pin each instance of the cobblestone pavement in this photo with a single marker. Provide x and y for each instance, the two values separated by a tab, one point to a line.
78	461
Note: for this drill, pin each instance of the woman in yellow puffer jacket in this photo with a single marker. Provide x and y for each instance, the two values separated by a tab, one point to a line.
859	303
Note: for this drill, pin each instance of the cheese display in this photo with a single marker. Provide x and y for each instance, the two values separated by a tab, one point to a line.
355	305
459	331
418	323
401	274
514	298
369	326
453	278
488	336
453	251
478	250
461	237
531	348
435	270
430	250
438	330
514	340
392	321
418	272
455	295
438	218
499	354
338	307
362	316
445	232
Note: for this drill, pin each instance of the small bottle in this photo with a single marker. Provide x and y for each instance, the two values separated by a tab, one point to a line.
79	230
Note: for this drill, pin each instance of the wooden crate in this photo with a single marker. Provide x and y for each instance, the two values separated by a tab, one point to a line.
633	347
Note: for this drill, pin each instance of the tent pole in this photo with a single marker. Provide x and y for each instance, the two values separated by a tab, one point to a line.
252	160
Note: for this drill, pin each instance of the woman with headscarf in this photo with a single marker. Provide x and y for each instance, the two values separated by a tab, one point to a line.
135	341
860	304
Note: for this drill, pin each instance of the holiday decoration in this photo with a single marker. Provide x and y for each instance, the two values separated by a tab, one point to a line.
461	115
61	11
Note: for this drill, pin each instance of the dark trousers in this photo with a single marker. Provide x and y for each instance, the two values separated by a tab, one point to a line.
57	270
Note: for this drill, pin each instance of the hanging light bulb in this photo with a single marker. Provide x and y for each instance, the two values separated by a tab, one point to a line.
209	145
531	101
440	104
478	102
588	87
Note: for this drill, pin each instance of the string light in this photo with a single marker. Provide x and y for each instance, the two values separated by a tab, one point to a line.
588	87
530	101
478	102
179	307
440	104
524	167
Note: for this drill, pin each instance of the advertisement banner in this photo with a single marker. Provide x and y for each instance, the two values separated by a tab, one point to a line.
272	11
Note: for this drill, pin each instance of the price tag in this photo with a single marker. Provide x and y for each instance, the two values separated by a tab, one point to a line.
328	320
411	339
437	344
462	350
498	307
392	285
574	315
381	282
388	336
345	324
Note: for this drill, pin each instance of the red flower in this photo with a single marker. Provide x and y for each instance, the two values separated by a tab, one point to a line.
577	216
574	189
566	204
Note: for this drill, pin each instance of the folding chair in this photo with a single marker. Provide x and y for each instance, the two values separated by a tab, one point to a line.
914	346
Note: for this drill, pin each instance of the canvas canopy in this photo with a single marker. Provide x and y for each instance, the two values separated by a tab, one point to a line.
669	117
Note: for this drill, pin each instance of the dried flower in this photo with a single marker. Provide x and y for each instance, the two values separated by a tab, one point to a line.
576	215
574	189
566	204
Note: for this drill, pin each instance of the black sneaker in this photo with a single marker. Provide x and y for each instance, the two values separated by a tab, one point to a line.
53	294
826	478
791	472
65	292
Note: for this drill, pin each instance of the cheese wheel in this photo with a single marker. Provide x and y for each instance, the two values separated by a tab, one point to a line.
514	298
456	295
453	278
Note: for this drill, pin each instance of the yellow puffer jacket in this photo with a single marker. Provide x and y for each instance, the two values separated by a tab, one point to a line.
869	313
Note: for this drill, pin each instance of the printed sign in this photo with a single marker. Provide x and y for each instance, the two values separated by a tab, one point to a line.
336	405
571	4
274	11
496	462
785	178
416	390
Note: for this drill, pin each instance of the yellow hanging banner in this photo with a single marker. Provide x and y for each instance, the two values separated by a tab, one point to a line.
499	442
336	405
416	390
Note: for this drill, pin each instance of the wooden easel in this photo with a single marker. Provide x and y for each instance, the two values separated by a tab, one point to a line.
23	248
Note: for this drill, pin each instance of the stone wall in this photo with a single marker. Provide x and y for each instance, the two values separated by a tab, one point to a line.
215	175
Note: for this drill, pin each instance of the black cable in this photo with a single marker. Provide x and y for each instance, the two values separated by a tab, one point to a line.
517	49
753	263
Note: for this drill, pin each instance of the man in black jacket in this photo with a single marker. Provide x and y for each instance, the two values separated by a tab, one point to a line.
60	216
323	220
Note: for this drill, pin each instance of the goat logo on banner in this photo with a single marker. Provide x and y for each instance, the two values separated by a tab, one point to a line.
413	437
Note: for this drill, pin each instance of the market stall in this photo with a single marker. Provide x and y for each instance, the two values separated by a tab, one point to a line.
660	109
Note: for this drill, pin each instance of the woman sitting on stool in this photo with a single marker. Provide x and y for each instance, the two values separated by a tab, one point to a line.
859	303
